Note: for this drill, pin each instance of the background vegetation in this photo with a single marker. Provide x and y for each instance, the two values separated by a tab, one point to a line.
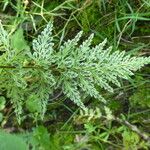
125	123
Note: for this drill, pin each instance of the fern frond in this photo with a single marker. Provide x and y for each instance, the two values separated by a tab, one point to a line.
87	114
95	66
73	93
43	45
85	46
4	39
78	69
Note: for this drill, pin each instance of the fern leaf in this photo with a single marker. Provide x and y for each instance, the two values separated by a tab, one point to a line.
72	92
43	45
79	69
4	39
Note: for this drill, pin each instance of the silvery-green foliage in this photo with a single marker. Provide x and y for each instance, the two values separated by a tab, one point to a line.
90	114
30	76
43	46
4	39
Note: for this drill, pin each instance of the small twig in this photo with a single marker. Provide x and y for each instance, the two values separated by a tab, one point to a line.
143	135
57	96
13	67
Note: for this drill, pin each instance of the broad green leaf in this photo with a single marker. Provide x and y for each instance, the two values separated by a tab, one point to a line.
11	142
18	41
1	117
41	138
2	102
33	104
